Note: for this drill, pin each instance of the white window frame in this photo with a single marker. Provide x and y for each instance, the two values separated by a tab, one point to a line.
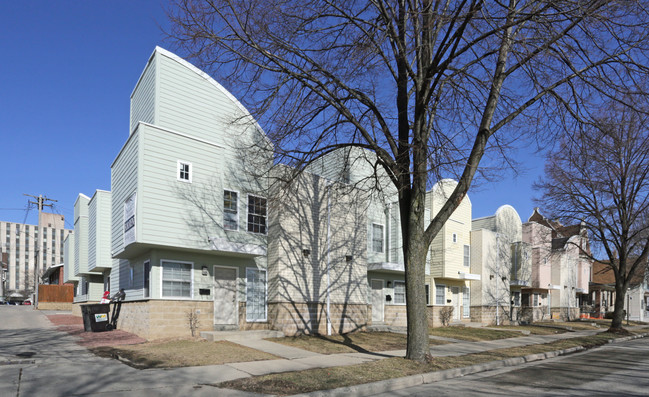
443	287
394	290
248	214
265	319
535	299
466	255
180	163
427	287
514	295
382	238
191	279
238	209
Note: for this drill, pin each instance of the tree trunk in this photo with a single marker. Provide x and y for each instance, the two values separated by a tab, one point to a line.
618	311
415	261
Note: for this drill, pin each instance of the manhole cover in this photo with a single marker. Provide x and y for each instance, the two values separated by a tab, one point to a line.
26	354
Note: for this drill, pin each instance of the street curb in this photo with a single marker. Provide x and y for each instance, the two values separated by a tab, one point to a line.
389	385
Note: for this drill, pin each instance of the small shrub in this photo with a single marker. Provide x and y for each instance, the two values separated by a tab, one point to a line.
445	315
192	318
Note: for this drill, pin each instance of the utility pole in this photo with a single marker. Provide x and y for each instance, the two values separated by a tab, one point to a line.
40	203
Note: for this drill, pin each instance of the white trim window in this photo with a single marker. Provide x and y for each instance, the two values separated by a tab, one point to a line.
399	292
256	214
184	171
440	294
467	256
466	302
255	294
230	210
516	298
176	279
378	238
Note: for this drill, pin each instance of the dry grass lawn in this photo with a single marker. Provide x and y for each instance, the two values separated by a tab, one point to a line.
472	334
329	378
182	353
348	343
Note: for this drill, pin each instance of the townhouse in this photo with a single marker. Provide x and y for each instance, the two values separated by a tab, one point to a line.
200	223
503	261
449	274
560	257
372	240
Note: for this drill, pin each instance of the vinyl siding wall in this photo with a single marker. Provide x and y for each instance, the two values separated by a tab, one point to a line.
143	97
299	222
99	219
81	235
68	259
447	257
124	182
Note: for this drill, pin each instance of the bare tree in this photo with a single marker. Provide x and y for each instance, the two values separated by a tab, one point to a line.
430	86
601	176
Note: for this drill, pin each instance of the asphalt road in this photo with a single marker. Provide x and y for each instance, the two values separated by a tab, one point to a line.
618	369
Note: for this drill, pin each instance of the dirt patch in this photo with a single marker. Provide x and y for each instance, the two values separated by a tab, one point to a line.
73	325
182	353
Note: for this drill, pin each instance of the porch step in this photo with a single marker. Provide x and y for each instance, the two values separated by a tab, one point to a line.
234	336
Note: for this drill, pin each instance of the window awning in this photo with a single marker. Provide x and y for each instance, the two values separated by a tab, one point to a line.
468	276
388	267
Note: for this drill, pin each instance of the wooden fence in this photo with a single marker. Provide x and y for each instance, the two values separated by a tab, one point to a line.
55	293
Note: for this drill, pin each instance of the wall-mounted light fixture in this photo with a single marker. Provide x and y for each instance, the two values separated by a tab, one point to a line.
306	252
349	258
204	270
491	277
389	284
504	278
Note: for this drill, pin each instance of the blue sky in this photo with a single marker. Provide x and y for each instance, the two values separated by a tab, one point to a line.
66	74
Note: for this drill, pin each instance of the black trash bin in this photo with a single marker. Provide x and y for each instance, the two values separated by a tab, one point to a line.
95	317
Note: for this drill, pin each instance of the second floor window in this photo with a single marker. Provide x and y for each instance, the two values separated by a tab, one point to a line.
230	210
256	214
377	237
184	171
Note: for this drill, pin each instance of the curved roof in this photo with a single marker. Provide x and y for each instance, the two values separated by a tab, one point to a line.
203	75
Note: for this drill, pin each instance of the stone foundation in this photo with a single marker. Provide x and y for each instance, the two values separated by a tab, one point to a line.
310	318
158	319
565	313
395	315
63	306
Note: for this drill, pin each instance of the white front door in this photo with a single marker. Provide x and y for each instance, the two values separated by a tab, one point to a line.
377	301
457	304
225	296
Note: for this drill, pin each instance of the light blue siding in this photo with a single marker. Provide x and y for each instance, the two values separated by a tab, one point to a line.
143	97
